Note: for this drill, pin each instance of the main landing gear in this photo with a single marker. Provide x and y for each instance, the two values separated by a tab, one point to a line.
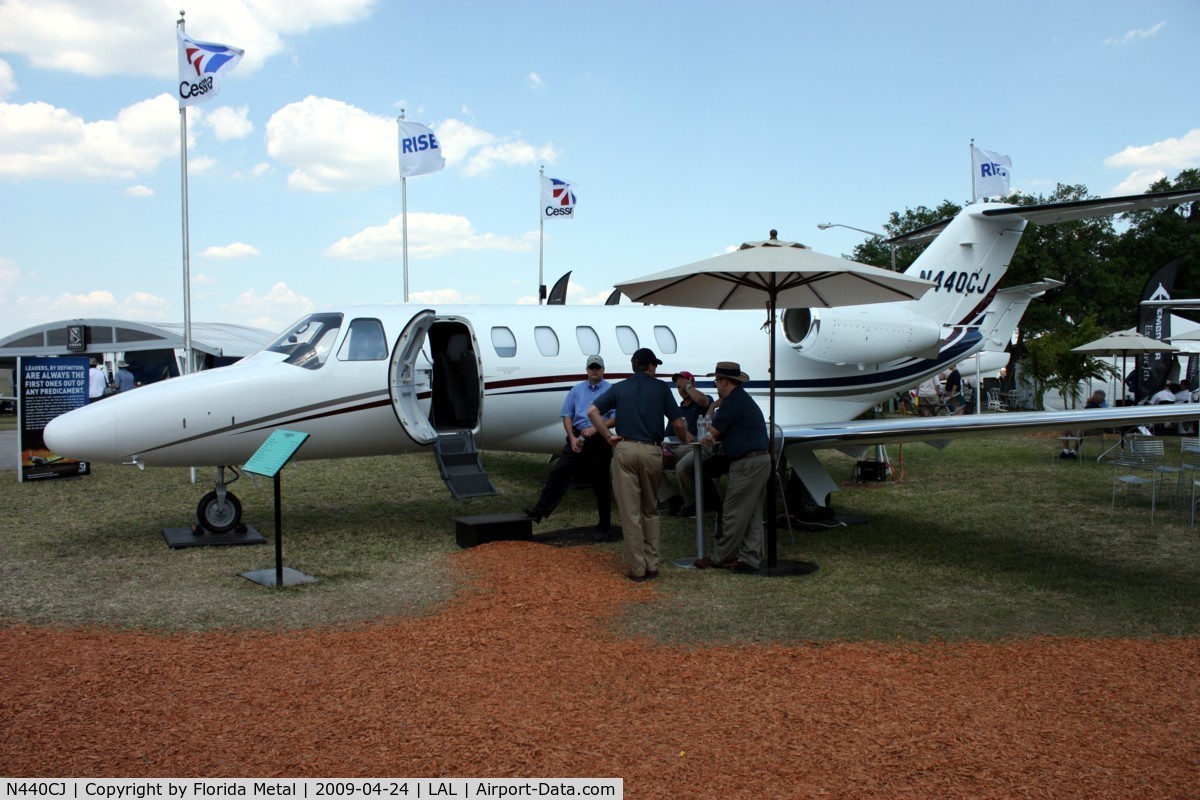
220	511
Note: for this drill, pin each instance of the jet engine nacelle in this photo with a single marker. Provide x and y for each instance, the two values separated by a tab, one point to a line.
861	334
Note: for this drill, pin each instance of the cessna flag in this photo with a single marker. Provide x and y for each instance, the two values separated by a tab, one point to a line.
990	172
420	152
558	199
1154	369
201	65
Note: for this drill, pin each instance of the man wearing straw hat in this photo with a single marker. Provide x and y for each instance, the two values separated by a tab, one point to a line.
742	428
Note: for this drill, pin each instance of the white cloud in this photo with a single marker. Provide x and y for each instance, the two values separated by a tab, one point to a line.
429	236
139	191
535	81
1134	35
103	303
8	84
273	310
227	122
230	251
97	39
9	275
1181	153
332	146
1137	182
38	140
435	297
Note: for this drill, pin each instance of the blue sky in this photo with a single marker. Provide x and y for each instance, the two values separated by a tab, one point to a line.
687	127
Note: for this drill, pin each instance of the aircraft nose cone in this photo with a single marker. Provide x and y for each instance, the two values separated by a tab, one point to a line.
85	434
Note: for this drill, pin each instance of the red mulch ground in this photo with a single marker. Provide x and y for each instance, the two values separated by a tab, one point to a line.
522	677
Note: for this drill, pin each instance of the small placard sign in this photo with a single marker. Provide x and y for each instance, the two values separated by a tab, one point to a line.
276	451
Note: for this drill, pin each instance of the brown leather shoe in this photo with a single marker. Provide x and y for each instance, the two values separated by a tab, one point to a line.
706	563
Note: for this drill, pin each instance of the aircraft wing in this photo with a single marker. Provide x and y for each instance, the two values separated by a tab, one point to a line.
1050	213
918	429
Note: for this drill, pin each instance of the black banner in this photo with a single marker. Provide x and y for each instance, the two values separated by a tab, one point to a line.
1155	322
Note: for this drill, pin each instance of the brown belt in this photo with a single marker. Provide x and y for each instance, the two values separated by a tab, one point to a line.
751	454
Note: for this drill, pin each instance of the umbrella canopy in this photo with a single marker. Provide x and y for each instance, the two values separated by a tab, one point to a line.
773	273
786	273
1124	343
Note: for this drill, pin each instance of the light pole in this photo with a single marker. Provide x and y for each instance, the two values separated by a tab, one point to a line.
827	225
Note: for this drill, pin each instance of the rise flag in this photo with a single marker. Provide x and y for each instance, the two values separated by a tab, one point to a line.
558	199
420	152
989	173
201	66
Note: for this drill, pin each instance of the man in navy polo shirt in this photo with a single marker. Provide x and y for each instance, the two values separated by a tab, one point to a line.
741	427
641	401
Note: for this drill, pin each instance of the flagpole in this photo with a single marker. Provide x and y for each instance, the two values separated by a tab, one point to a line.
403	214
187	280
541	235
971	155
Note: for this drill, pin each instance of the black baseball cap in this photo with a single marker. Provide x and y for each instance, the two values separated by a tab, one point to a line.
645	355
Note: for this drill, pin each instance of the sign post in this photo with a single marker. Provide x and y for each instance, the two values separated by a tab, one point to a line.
267	461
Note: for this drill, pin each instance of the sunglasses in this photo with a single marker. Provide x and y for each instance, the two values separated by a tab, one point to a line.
595	366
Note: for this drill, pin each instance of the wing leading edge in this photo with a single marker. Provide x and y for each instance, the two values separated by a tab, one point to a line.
917	429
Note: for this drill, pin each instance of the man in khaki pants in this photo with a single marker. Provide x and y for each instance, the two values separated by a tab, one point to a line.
641	402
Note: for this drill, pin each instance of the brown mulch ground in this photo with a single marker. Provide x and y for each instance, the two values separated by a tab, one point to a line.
523	677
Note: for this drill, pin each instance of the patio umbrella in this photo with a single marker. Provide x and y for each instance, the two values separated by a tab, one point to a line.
773	274
1124	344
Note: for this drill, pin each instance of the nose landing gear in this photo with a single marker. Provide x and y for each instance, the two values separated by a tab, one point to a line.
220	511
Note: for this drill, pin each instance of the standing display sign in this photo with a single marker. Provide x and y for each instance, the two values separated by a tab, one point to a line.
46	388
267	461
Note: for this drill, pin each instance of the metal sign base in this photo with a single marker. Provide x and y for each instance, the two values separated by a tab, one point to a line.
268	577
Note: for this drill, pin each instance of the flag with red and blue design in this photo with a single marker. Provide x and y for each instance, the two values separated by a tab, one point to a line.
201	65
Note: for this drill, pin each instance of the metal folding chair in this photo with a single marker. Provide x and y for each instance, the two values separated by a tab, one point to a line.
1141	461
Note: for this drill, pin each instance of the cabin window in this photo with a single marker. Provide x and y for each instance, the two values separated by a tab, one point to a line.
547	340
504	342
308	343
589	342
365	341
627	338
665	338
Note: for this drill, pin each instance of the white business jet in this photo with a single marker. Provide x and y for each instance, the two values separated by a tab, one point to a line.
389	379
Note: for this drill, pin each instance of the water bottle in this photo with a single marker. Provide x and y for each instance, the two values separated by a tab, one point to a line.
702	430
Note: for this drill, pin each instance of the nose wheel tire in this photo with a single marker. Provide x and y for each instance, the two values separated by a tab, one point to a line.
218	516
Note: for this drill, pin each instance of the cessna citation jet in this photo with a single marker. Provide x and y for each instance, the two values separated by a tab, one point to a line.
388	379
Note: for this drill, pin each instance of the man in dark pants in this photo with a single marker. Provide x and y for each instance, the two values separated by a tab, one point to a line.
585	449
641	401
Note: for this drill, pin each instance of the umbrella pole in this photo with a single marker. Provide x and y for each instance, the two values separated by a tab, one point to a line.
772	527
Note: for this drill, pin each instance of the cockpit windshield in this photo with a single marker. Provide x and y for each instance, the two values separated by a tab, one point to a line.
309	342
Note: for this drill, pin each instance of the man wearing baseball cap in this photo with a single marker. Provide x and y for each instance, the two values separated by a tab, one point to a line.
641	403
693	403
743	430
585	450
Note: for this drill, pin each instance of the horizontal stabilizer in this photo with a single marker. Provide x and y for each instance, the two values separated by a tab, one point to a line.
1050	213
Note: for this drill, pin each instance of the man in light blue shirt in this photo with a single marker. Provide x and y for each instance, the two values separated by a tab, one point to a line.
585	451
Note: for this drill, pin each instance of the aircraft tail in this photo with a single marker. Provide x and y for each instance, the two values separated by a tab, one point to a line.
965	261
998	322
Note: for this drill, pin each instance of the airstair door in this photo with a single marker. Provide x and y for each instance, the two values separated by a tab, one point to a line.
452	386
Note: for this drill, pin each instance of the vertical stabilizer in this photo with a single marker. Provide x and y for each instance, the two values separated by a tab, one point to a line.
966	262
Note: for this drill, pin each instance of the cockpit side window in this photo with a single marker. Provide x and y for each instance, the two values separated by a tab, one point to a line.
365	341
308	343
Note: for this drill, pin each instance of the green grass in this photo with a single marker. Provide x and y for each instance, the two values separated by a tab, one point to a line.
989	539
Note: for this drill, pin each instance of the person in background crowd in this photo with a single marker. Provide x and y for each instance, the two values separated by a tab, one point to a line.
124	380
97	381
